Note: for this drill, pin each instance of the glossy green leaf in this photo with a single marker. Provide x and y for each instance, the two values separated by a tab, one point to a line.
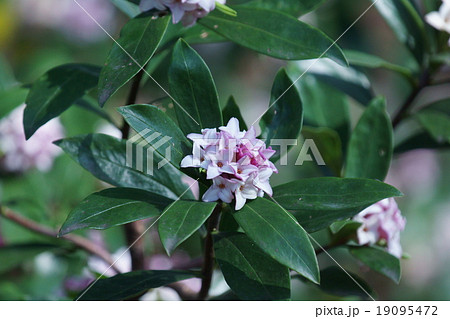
131	284
348	80
180	220
363	59
379	260
198	34
112	207
274	34
15	254
156	127
55	92
130	9
279	235
329	145
292	7
284	117
335	281
193	90
324	107
371	144
250	273
436	123
407	24
139	38
232	110
105	157
318	202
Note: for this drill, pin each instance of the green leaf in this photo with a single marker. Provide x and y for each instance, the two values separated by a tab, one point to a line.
198	34
363	59
406	23
318	202
329	145
274	34
379	260
284	118
55	92
418	140
371	144
193	89
232	110
16	254
278	234
348	80
139	38
155	126
131	284
105	157
292	7
325	107
335	281
130	9
250	273
112	207
435	119
180	220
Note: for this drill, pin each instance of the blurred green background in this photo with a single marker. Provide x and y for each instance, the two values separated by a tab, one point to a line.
36	35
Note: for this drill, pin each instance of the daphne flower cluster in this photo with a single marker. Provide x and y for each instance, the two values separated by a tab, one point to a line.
440	20
382	221
18	154
186	11
237	163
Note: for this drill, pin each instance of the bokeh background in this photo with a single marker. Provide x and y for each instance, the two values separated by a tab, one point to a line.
36	35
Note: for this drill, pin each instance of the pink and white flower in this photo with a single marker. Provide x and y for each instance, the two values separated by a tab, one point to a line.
236	161
380	222
440	20
17	154
186	11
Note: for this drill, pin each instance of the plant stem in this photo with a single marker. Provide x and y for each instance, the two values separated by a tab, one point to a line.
423	82
133	230
208	262
79	241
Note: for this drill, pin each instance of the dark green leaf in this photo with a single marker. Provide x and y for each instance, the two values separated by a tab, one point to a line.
371	144
292	7
155	126
180	220
284	118
325	107
435	119
278	234
130	9
55	92
348	80
193	89
105	157
131	284
251	274
379	260
329	145
13	255
318	202
112	207
335	281
274	34
363	59
139	38
232	110
406	23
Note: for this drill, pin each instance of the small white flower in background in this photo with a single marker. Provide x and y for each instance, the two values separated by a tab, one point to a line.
186	11
440	19
236	161
382	221
17	154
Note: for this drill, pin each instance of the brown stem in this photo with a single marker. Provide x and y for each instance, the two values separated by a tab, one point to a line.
79	241
423	82
208	262
134	230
